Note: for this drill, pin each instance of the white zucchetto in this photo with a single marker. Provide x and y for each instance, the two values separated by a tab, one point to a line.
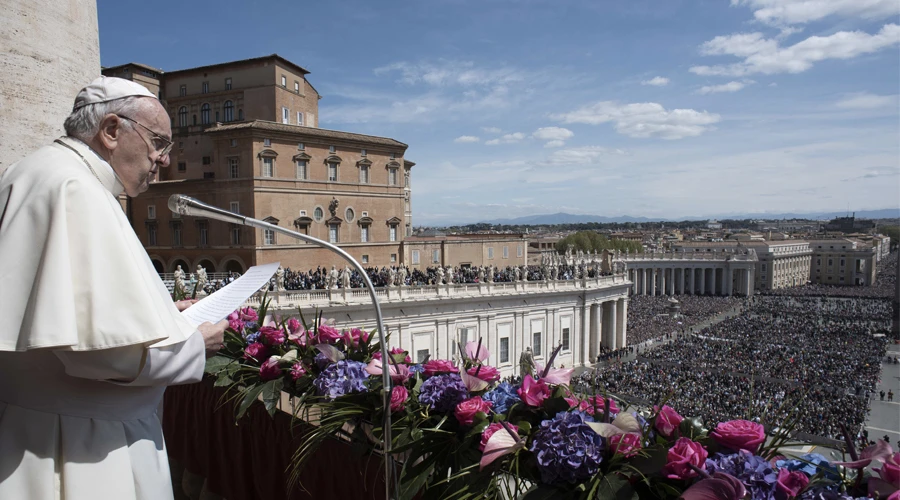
107	88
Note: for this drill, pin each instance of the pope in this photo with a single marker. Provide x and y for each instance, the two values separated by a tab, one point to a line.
89	336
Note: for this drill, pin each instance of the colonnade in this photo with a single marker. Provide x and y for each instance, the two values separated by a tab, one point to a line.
607	326
691	280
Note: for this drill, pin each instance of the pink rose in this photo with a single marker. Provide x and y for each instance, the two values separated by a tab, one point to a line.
491	429
297	371
439	366
293	326
533	392
234	322
667	420
681	456
269	370
485	372
399	395
328	334
791	483
272	335
247	314
600	403
465	411
627	444
255	351
890	470
739	435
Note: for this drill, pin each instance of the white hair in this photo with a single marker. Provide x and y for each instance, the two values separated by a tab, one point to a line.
84	122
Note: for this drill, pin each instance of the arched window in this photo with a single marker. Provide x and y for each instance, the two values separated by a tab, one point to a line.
229	111
204	114
182	116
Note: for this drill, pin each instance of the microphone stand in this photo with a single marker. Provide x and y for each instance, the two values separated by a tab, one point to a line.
185	205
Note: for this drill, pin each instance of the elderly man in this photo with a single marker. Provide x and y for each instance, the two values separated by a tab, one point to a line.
90	336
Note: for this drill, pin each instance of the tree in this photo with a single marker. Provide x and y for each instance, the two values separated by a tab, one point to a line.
893	232
590	241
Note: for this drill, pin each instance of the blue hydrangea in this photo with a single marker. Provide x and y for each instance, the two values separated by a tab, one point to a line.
503	397
322	361
443	392
809	464
343	377
567	449
416	369
755	472
251	337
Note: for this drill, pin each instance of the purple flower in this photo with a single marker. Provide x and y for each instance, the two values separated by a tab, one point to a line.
755	472
322	361
567	449
343	377
443	392
503	397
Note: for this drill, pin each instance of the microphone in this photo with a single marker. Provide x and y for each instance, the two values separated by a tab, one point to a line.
185	205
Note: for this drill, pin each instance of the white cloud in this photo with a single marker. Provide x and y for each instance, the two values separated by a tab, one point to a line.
646	119
864	100
725	87
657	81
466	138
491	130
780	12
444	73
764	55
584	155
555	144
506	139
553	134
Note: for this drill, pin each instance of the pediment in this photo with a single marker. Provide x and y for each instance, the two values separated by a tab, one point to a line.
365	221
302	221
301	157
267	153
271	220
333	159
394	220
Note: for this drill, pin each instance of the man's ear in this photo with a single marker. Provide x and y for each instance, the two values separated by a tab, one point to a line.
109	131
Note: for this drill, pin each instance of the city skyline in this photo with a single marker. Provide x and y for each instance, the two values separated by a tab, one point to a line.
665	111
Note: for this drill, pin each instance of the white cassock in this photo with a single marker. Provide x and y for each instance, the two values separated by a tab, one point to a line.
89	337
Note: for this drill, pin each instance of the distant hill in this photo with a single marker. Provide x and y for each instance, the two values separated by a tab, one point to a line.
564	218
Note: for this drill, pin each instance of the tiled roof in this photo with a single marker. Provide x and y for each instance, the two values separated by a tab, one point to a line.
241	61
309	131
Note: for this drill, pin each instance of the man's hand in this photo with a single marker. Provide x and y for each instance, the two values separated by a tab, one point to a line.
184	304
213	335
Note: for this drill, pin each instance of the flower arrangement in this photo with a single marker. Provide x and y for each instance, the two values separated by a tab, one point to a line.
460	432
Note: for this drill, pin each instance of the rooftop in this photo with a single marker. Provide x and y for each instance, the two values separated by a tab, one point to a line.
310	131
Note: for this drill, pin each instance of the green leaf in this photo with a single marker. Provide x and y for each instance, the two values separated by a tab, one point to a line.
250	395
216	364
224	380
615	486
271	394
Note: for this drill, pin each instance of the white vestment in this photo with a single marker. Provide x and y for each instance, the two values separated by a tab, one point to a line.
89	337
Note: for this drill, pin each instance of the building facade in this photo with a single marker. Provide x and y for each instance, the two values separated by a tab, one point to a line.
842	261
779	264
247	140
475	250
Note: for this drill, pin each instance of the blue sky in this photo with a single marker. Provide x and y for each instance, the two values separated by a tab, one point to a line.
657	108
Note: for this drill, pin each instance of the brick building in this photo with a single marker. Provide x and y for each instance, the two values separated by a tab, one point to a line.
246	139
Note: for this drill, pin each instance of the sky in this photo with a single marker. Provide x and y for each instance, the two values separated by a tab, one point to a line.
655	108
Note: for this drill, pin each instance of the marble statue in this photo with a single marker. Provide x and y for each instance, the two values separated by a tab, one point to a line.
180	287
526	362
392	276
345	277
524	273
279	279
202	278
516	275
490	276
481	274
440	276
403	273
332	278
449	275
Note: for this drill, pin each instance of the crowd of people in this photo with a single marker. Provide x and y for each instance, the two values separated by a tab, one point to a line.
649	319
819	358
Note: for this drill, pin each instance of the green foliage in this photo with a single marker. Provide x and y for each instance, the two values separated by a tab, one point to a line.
590	241
893	232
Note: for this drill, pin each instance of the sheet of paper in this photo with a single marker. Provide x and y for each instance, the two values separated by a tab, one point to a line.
220	304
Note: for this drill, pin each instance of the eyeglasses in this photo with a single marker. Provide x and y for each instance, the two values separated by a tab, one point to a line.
160	144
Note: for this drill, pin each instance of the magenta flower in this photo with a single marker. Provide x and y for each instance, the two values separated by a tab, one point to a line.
476	353
791	483
485	372
328	334
436	366
394	350
890	469
248	314
557	376
491	429
234	321
878	451
720	486
297	371
399	395
680	458
272	335
465	412
627	444
269	370
667	420
533	392
739	435
255	351
399	372
294	326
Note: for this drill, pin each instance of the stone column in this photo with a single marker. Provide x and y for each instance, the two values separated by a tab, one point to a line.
683	277
748	289
621	322
653	282
722	285
594	342
584	328
672	281
51	50
729	280
609	324
702	281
